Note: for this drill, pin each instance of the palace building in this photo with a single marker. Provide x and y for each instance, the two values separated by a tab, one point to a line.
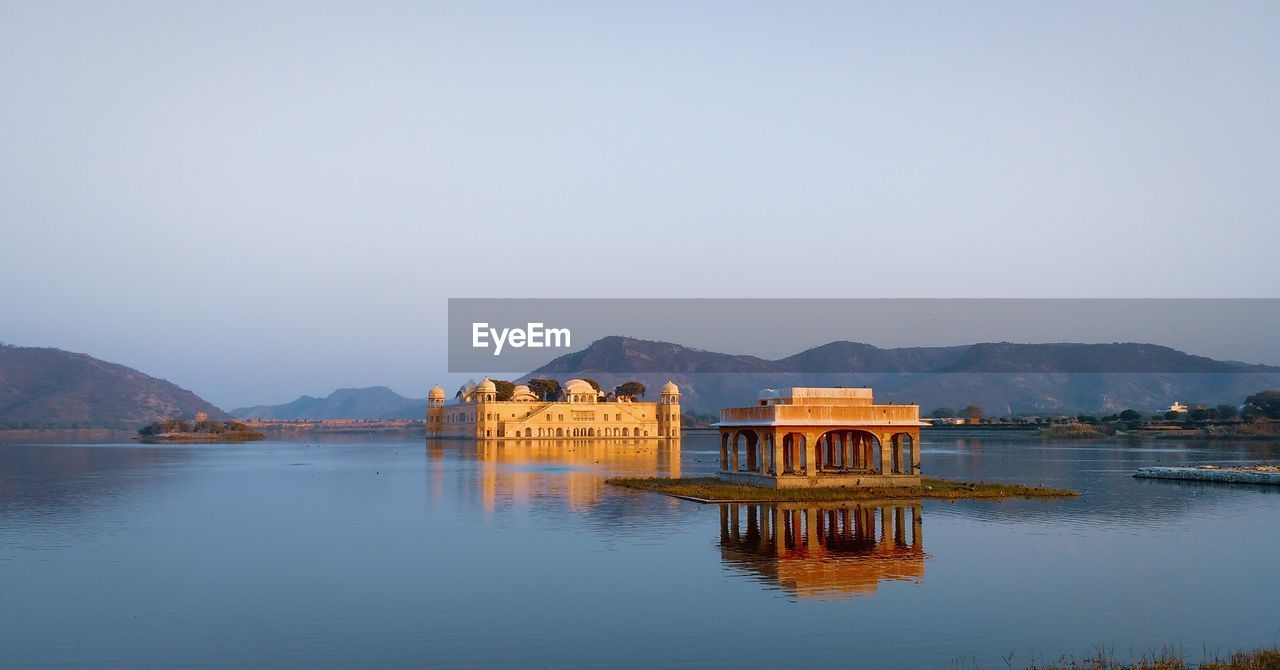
800	437
581	411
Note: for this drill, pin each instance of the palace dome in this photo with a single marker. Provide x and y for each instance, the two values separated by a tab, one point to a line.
522	393
578	386
487	386
670	387
436	393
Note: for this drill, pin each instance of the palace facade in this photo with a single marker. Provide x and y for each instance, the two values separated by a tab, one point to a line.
581	411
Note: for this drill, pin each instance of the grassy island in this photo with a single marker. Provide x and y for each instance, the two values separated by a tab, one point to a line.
711	489
183	431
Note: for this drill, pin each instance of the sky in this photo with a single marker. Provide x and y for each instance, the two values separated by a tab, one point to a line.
261	200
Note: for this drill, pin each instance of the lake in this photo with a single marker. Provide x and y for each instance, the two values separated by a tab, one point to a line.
410	553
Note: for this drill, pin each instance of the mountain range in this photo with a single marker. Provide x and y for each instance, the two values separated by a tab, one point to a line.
1002	377
374	402
52	388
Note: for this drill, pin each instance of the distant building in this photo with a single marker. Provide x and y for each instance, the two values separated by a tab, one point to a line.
581	411
1178	408
820	437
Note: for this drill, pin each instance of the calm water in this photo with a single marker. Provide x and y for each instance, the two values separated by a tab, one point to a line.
367	553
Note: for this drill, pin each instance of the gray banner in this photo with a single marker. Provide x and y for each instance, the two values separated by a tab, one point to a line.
512	335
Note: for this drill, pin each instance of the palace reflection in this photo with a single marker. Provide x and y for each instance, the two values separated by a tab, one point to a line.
825	553
574	470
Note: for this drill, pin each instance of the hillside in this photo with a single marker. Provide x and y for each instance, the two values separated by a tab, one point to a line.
1002	377
374	402
51	388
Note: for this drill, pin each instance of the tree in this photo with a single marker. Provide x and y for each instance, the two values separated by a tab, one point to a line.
944	413
1262	405
545	389
1227	412
1087	419
1131	416
505	389
594	384
1202	413
631	389
972	412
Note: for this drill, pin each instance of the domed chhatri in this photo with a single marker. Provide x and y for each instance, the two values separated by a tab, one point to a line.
577	390
580	411
522	393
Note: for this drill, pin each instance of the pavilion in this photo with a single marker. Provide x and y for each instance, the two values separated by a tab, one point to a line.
798	437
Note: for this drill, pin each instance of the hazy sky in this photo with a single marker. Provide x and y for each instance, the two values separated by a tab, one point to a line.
258	200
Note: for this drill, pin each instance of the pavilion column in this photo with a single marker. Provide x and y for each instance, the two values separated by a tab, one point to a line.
886	517
776	445
886	454
734	457
915	452
844	450
917	526
724	451
733	522
810	454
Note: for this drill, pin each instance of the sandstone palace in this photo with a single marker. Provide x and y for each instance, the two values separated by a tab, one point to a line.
580	411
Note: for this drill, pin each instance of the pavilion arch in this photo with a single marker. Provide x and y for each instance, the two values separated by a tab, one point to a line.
906	454
846	449
794	458
749	459
559	432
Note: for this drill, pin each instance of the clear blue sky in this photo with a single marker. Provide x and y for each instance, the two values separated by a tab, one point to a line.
259	200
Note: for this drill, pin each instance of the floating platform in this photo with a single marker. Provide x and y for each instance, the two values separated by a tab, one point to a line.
1247	475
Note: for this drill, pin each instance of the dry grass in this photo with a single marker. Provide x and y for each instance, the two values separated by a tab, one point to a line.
711	489
1258	659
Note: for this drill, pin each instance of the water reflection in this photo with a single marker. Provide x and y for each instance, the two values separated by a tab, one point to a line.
824	553
570	469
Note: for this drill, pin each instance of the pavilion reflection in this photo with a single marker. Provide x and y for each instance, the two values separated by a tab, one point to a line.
824	553
574	469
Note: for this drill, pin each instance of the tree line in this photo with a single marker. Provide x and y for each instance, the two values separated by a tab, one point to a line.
548	390
1257	407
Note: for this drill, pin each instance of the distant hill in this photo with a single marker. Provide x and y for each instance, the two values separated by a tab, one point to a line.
51	388
1002	377
374	402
